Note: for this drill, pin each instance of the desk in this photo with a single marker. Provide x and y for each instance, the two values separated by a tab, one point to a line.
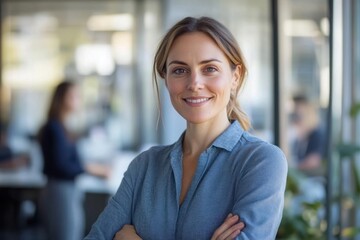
22	178
19	195
119	165
30	178
25	185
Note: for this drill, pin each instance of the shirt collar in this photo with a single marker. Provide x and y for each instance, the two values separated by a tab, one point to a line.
230	137
226	140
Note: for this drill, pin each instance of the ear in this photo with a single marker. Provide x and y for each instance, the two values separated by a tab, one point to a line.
236	77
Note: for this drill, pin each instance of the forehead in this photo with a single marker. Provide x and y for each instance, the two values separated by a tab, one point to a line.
194	45
72	90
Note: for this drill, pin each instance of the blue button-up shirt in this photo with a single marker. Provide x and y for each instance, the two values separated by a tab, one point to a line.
237	174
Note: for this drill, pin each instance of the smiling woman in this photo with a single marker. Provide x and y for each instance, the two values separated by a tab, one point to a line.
217	181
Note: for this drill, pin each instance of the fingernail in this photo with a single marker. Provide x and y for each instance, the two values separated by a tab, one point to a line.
229	215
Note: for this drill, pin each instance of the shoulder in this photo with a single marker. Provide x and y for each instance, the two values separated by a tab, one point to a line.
254	151
49	129
261	163
317	133
148	165
155	155
259	146
52	125
155	151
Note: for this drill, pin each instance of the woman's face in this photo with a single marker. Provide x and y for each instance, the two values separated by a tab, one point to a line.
199	78
71	100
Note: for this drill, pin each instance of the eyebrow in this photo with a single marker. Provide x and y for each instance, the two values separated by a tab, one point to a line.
202	62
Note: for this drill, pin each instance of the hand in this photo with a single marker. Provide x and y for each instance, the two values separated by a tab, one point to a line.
99	170
127	233
230	229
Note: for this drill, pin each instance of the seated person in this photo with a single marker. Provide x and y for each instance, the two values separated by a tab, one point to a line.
308	146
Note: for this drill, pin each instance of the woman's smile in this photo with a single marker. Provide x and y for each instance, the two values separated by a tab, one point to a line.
197	101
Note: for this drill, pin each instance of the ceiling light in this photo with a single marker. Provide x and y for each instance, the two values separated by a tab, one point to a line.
113	22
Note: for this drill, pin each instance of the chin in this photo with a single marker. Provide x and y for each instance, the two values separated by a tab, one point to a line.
196	119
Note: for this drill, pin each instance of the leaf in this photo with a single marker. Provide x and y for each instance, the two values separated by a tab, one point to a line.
350	232
347	149
354	110
294	178
356	176
313	205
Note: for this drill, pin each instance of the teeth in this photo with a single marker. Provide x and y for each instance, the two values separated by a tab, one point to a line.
199	100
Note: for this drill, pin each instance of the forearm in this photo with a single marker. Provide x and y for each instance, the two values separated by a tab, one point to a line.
99	170
110	221
313	161
116	214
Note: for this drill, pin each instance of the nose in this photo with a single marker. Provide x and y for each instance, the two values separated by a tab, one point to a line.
195	82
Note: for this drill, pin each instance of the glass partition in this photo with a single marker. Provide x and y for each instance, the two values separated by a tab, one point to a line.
95	43
108	47
304	89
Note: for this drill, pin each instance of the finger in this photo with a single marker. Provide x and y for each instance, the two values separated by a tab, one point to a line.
131	228
226	225
127	226
232	231
233	235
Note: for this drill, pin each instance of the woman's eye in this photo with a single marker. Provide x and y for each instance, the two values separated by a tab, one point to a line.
179	71
210	69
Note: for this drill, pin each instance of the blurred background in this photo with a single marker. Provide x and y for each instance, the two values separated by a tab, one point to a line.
301	94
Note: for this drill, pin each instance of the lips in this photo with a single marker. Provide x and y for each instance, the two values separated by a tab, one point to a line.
196	100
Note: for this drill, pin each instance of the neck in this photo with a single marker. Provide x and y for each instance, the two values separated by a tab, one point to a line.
198	137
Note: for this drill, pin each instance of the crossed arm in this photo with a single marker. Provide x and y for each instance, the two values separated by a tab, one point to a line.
229	230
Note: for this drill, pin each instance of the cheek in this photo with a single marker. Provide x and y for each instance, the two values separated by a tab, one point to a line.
221	86
73	103
174	87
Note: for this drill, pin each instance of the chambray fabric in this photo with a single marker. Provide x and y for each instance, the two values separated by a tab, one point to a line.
237	174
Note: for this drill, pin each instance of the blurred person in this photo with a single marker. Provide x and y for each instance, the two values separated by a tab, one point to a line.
61	200
308	145
217	181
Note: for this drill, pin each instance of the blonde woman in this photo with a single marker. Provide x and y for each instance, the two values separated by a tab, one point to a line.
217	181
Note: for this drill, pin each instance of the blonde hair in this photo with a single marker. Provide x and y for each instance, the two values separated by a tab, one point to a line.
224	40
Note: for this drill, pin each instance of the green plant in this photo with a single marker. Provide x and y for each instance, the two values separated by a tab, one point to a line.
301	218
347	151
307	223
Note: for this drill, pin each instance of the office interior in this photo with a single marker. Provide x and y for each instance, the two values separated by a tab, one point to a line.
305	50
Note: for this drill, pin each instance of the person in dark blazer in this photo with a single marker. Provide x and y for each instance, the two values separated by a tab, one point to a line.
61	200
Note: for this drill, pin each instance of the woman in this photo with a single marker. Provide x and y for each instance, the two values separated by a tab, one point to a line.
217	181
62	206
